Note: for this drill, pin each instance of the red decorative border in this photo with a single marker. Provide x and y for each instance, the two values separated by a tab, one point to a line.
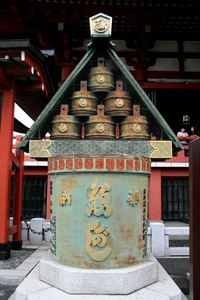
61	164
78	163
132	164
89	163
110	164
99	163
69	163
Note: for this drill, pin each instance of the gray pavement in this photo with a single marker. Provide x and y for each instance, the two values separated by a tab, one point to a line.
177	268
14	270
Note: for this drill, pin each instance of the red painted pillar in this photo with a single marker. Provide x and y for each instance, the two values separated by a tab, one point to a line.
155	201
6	135
18	197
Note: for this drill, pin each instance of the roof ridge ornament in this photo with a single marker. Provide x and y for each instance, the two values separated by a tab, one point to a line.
100	26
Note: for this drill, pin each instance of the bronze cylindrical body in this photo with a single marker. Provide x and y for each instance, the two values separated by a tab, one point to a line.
83	102
100	126
101	79
65	126
134	127
118	103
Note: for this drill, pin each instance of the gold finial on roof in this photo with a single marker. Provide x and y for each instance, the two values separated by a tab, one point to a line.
100	26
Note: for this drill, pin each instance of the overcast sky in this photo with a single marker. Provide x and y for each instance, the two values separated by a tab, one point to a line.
22	117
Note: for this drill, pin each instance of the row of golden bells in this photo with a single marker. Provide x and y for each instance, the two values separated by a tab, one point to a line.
99	126
84	103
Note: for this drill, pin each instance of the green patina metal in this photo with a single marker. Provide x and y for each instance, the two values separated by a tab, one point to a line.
97	222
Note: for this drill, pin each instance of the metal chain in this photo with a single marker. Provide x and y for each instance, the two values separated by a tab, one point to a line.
34	231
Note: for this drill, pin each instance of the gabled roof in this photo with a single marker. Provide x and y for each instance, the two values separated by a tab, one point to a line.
158	126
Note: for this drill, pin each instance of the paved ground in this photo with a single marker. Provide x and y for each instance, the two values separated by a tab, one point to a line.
6	291
177	268
14	270
17	257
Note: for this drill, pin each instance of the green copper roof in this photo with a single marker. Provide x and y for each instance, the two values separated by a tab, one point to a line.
158	126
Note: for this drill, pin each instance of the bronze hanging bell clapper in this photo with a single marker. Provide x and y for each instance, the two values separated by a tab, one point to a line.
100	126
134	127
118	102
101	79
65	126
83	102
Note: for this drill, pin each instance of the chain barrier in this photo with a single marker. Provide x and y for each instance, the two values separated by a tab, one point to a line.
34	231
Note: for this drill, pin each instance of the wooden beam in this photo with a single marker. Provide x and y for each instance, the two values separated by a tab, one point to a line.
170	85
19	71
30	61
31	87
15	160
12	229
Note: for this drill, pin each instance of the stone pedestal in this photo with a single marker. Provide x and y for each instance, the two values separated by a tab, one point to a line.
164	288
93	281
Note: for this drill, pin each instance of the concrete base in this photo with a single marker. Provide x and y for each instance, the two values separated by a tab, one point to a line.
103	281
32	288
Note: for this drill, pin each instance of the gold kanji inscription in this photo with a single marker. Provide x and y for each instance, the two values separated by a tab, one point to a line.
98	200
134	198
99	242
63	197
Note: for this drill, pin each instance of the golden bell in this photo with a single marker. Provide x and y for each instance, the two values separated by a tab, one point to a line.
134	127
101	79
118	102
100	126
83	102
65	126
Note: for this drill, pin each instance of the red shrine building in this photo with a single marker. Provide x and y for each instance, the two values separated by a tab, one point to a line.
42	41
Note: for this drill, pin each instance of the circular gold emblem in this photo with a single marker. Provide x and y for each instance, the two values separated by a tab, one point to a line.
100	79
100	127
137	128
100	25
82	102
63	127
119	103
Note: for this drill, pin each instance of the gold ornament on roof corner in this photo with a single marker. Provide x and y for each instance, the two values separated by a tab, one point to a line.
100	25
